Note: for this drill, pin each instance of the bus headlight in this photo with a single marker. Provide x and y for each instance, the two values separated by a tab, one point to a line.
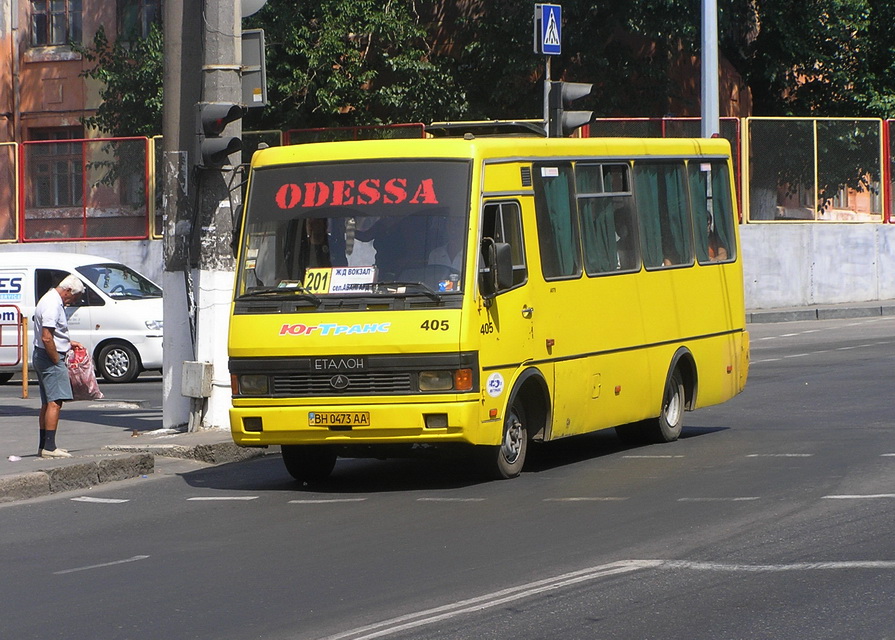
436	380
458	380
253	384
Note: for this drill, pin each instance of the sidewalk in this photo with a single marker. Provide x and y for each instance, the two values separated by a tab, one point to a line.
114	440
109	440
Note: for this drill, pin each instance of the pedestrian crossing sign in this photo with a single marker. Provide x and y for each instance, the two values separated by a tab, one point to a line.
548	29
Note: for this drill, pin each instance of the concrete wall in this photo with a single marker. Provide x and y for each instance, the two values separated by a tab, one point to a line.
793	265
785	265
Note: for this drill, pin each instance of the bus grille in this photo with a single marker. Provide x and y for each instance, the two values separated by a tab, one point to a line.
306	385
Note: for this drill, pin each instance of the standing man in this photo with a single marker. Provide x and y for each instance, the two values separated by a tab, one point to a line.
51	343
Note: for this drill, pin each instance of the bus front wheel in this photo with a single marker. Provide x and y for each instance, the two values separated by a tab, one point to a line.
507	459
308	463
668	426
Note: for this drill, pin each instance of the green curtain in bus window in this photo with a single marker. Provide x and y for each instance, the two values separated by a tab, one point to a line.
556	225
676	223
599	235
712	211
700	206
646	193
663	212
723	208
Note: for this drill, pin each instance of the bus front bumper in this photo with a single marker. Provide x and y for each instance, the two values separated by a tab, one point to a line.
404	423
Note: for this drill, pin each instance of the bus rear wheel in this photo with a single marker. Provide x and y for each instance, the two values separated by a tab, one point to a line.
308	463
507	459
668	426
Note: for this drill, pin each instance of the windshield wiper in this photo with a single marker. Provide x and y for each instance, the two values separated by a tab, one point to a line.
425	289
297	291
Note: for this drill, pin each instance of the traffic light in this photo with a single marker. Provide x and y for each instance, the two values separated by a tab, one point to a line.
213	149
562	123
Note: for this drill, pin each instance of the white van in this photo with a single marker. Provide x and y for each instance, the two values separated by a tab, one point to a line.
118	319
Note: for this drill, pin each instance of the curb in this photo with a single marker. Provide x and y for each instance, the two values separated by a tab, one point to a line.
218	453
44	482
758	316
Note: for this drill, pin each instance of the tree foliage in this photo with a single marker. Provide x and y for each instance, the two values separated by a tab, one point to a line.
359	62
131	76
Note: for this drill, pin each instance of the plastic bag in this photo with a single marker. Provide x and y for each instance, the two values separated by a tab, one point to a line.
82	375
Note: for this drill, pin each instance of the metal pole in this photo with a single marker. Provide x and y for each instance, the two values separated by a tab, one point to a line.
710	89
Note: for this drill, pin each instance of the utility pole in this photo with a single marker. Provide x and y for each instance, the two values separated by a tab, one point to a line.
183	28
198	202
219	197
711	121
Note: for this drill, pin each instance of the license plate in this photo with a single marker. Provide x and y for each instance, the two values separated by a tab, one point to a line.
339	419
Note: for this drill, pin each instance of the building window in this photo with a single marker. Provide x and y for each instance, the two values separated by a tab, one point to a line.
55	22
136	17
57	166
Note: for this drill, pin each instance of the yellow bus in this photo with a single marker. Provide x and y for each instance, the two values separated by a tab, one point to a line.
482	292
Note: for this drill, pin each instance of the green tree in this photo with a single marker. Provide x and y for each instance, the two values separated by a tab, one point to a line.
131	76
352	62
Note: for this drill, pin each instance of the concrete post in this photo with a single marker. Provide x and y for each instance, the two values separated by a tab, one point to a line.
219	198
711	121
182	24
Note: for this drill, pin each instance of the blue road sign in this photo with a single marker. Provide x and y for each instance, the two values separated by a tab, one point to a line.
550	19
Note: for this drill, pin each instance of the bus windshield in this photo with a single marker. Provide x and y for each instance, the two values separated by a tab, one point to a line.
342	229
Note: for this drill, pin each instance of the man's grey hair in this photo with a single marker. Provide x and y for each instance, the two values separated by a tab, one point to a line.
73	284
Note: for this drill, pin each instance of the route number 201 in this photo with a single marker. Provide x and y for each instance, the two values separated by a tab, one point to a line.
435	325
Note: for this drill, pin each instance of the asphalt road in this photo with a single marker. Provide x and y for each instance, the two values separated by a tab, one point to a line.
772	517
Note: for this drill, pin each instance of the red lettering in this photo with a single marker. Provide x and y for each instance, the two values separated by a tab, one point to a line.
288	196
396	187
342	193
425	193
316	194
370	190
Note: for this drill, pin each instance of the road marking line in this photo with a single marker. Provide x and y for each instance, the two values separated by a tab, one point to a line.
779	455
214	498
519	592
450	499
796	566
742	499
473	605
100	500
594	499
327	501
871	496
889	455
654	457
99	566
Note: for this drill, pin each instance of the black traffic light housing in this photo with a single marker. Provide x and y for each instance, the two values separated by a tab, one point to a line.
562	123
213	149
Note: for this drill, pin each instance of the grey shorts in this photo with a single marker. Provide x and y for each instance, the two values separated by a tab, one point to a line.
55	385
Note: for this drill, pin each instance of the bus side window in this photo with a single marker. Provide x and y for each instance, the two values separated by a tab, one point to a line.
608	230
712	211
502	222
557	220
661	194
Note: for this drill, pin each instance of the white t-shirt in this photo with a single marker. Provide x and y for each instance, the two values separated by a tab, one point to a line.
50	312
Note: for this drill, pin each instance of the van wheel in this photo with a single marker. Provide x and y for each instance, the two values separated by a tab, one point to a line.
507	459
668	426
118	362
307	463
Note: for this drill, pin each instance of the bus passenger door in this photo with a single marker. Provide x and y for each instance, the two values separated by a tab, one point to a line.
506	320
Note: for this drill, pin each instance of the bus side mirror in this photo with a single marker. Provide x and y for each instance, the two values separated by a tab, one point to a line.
237	224
497	273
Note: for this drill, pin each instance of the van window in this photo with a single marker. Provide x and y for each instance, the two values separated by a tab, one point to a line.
46	279
119	282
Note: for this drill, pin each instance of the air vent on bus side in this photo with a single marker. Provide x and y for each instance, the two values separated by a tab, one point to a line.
526	176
